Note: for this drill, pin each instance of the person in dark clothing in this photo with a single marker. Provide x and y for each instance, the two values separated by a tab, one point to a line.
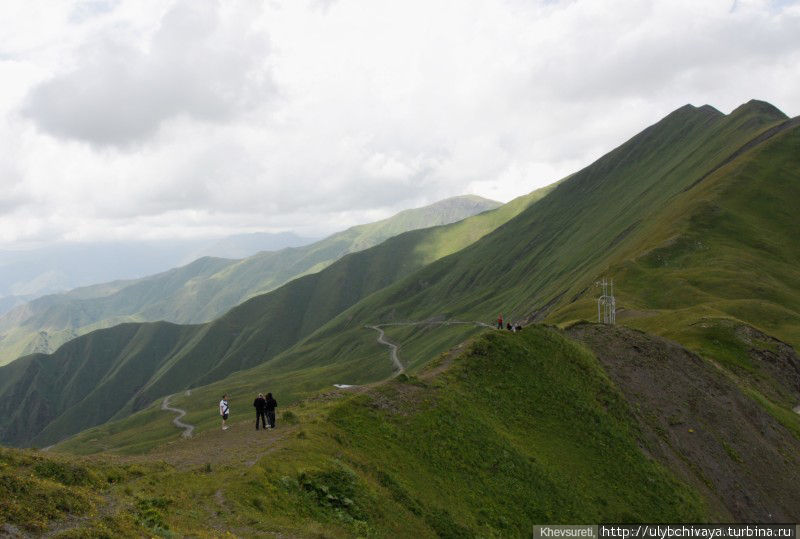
508	326
270	406
518	328
260	405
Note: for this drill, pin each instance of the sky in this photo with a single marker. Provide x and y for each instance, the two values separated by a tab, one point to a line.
143	119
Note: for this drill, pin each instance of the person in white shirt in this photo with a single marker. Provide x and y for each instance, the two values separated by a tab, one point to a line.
223	411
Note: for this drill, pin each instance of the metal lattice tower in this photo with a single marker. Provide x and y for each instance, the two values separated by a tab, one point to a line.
606	304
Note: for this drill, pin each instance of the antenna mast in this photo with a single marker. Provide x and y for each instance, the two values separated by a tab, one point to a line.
606	303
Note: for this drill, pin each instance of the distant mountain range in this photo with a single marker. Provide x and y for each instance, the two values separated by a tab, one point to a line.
206	288
26	275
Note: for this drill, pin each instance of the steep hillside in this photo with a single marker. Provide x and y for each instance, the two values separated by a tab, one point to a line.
550	255
505	432
110	373
725	254
205	289
544	263
705	425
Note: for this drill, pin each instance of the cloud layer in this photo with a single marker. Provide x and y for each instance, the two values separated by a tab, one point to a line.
196	64
143	119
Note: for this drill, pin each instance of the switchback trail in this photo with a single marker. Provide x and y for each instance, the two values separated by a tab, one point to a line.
398	366
187	428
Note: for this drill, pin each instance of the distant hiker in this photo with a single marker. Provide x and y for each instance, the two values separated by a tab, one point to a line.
518	328
500	321
260	405
508	326
270	406
224	410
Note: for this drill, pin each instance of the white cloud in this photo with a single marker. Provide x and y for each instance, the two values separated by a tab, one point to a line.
139	118
197	63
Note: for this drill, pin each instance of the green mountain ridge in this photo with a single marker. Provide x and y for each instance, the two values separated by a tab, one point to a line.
603	215
205	288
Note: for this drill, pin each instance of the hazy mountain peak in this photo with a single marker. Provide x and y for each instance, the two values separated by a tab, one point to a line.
441	212
461	201
476	199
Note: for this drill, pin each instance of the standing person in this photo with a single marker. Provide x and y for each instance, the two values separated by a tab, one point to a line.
260	405
500	321
271	404
224	410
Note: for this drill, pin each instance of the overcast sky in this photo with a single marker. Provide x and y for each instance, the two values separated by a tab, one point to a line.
153	119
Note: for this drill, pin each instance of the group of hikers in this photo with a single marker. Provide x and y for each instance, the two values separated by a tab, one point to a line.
509	327
265	411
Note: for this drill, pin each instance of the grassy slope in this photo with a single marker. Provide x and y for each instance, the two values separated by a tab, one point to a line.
520	429
724	248
206	288
67	497
556	249
507	431
137	363
354	359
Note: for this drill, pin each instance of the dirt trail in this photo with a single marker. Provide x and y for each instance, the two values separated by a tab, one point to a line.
797	409
213	446
398	366
187	428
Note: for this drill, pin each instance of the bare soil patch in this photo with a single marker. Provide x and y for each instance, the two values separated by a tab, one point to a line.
700	424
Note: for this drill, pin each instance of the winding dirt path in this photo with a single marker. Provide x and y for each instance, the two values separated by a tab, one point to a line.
398	366
187	428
